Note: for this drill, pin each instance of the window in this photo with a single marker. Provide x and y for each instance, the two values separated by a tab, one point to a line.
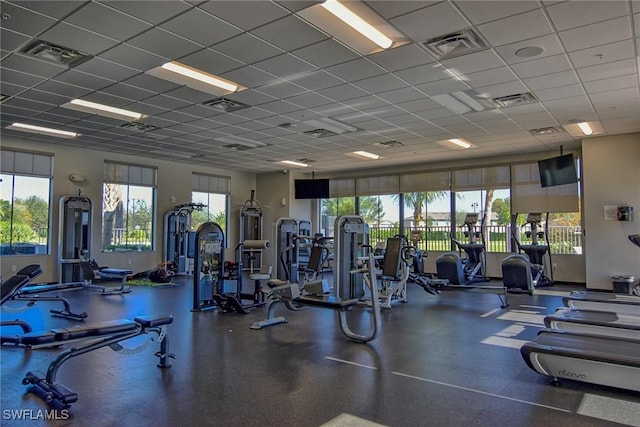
25	193
128	207
213	193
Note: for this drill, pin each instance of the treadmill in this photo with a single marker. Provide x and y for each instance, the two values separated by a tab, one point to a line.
593	359
597	359
595	323
602	301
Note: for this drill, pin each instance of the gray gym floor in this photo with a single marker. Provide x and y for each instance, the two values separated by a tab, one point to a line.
447	360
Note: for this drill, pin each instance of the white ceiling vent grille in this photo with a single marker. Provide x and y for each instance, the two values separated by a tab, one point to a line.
139	127
546	131
455	44
55	53
390	144
225	105
514	100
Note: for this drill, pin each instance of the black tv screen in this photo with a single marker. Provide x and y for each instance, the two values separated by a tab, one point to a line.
558	171
311	188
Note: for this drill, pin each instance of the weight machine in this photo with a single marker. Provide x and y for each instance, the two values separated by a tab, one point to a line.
179	239
251	229
208	263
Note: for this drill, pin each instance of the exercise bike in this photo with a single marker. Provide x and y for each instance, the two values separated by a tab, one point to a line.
466	270
530	257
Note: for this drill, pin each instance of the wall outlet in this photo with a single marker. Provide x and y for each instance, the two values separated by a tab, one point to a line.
14	268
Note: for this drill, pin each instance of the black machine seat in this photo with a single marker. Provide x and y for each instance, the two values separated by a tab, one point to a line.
14	284
327	301
535	252
98	329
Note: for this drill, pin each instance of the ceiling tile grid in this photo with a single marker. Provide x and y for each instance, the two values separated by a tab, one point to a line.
583	65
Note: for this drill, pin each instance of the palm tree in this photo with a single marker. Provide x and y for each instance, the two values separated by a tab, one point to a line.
417	201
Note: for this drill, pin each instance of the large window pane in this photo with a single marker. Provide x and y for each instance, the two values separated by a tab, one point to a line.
331	208
24	215
215	209
127	212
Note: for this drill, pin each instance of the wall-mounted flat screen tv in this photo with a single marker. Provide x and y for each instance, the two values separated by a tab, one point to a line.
311	188
558	171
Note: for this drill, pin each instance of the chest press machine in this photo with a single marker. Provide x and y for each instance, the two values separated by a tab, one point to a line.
85	338
353	284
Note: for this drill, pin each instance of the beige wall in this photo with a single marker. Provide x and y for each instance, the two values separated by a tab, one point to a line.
174	180
611	177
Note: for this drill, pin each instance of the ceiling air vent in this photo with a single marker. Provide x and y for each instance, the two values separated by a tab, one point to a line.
546	131
514	100
242	147
55	53
390	144
455	44
225	105
139	127
320	133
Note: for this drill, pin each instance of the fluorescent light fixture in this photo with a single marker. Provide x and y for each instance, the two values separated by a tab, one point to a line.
330	124
42	130
585	128
451	103
240	141
366	154
467	100
365	31
357	23
102	110
460	143
294	163
195	79
192	73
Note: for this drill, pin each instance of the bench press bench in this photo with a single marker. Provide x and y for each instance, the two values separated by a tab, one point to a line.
91	337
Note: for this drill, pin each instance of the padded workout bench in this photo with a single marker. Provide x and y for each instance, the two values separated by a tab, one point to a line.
33	293
94	336
105	273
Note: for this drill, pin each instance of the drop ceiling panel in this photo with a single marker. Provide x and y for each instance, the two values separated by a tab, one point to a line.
164	43
481	12
432	21
605	53
285	66
289	33
604	85
559	92
201	27
596	34
611	69
489	77
89	81
539	67
357	69
38	67
152	11
245	14
247	48
77	38
479	61
106	69
395	8
107	21
407	56
547	81
579	13
11	40
516	28
25	21
326	53
133	57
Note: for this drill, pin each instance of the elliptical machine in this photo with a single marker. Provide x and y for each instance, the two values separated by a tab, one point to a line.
469	269
530	258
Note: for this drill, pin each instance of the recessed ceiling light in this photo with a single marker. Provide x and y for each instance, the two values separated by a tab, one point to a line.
294	163
457	143
460	143
103	110
195	79
365	31
42	130
529	51
357	23
585	128
366	155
